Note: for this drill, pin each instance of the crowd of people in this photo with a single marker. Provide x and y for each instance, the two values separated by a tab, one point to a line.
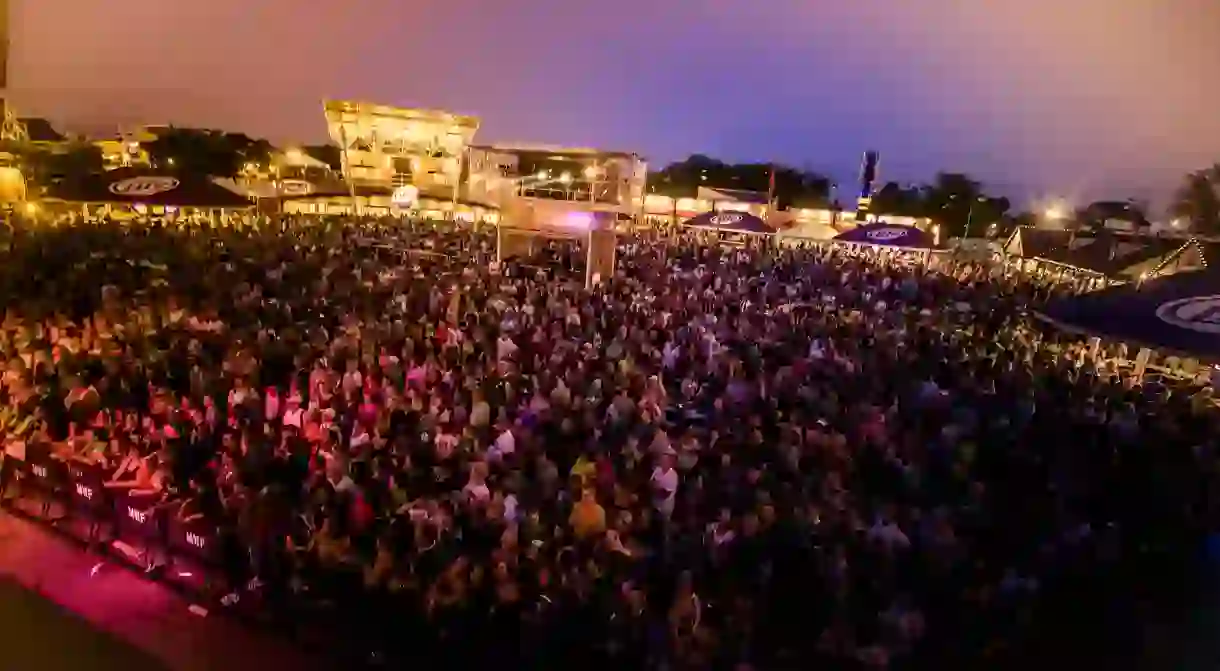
723	457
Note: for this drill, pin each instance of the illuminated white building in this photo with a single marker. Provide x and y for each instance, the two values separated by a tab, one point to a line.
390	147
535	184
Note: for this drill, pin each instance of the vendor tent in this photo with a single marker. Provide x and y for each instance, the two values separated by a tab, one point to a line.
887	235
128	187
729	222
1179	313
1115	255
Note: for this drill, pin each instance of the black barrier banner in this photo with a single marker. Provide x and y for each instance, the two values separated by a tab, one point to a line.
86	486
197	538
40	466
138	516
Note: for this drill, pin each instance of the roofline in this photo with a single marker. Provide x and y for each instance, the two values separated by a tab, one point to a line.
555	150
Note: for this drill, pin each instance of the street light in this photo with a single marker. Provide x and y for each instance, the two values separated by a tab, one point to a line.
970	214
1055	213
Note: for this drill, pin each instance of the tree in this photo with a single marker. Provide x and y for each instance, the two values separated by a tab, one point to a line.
897	200
207	152
47	166
959	204
1098	212
792	186
1198	200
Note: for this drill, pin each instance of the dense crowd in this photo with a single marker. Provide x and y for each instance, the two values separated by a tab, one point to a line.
736	457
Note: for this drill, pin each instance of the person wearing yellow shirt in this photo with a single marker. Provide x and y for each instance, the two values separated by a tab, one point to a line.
588	518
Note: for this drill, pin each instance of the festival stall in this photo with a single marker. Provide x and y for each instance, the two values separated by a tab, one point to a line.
896	242
1092	258
1177	314
895	236
737	229
127	192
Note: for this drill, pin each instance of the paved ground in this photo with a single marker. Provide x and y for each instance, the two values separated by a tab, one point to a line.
56	612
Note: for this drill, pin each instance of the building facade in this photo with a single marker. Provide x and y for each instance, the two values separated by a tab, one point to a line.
394	147
539	181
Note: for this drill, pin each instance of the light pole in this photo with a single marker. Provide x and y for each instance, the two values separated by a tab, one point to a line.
970	214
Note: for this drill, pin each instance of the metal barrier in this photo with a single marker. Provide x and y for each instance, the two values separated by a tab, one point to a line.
132	527
137	530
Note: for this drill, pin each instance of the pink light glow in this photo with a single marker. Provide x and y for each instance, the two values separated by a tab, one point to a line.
581	220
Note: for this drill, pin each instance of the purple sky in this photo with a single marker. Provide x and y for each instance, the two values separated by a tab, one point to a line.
1036	97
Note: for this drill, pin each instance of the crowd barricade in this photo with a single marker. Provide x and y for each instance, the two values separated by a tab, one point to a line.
136	528
87	500
195	552
139	525
71	498
37	482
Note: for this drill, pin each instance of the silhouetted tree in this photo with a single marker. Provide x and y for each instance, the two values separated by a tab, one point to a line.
895	199
207	152
1198	200
792	186
47	166
959	204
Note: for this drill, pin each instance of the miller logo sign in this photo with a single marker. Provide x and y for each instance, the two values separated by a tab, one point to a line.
138	515
726	219
85	492
295	187
1199	313
39	471
196	540
143	186
886	234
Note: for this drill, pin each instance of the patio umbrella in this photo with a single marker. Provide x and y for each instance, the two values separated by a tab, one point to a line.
1179	312
887	235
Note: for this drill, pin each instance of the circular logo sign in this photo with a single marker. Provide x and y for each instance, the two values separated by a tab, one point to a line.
726	219
143	186
295	187
1198	313
886	234
405	195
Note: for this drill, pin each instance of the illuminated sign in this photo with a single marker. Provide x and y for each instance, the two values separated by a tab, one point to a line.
295	187
196	540
405	195
137	515
39	471
143	186
1199	313
886	234
726	219
84	492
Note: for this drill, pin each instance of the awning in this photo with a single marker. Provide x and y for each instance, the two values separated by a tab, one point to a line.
1179	312
127	187
887	235
730	222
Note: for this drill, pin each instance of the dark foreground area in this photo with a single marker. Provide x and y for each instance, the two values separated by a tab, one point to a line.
58	612
39	634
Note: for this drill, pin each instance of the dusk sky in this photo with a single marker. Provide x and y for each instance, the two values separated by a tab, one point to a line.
1071	98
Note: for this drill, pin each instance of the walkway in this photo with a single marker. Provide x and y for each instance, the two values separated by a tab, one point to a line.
57	612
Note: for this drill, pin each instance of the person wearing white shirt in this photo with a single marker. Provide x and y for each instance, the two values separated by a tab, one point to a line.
504	445
665	485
